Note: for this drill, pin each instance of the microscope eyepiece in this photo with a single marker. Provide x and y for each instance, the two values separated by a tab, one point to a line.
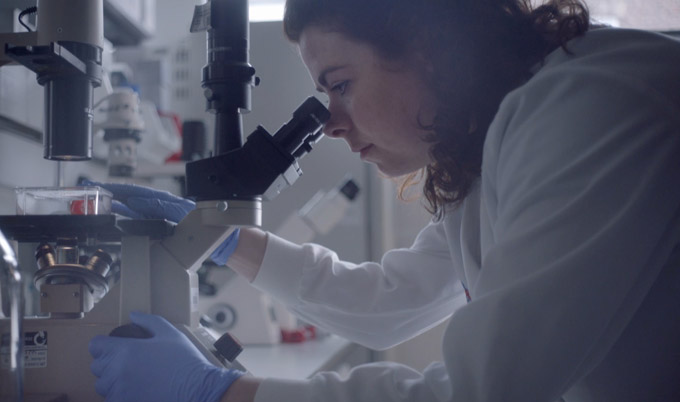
304	128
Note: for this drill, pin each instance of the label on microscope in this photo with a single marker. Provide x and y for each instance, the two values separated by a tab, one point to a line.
35	350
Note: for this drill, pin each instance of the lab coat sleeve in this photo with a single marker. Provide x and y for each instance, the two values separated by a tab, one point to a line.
581	189
375	304
383	381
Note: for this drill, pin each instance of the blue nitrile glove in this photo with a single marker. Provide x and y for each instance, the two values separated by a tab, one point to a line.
165	368
140	202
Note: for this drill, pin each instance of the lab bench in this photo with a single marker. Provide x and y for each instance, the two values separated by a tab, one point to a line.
302	360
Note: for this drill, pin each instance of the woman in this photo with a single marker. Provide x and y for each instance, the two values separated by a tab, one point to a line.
549	154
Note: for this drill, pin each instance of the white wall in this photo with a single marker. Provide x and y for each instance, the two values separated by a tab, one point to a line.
173	18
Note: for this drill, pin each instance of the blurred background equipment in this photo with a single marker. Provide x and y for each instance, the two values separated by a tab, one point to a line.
123	130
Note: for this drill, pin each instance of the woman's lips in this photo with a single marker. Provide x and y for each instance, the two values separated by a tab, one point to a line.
364	151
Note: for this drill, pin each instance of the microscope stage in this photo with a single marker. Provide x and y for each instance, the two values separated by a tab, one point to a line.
105	228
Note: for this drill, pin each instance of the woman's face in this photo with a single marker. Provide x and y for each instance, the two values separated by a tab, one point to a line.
374	105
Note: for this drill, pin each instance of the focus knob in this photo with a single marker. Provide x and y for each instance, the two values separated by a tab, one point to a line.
228	346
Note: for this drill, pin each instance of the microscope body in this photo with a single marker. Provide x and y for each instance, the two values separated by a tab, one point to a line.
158	264
158	260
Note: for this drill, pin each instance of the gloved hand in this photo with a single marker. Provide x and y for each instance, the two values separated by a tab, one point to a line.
164	368
140	202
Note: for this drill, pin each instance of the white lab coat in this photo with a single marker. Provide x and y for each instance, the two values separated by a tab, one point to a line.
569	246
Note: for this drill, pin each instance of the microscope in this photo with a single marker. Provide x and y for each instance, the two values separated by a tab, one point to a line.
94	268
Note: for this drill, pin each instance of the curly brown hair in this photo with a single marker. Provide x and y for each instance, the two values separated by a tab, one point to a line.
477	52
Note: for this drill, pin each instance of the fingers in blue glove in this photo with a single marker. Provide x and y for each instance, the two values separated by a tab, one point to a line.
154	208
106	350
102	346
119	208
140	202
122	191
157	325
222	253
99	364
138	369
104	384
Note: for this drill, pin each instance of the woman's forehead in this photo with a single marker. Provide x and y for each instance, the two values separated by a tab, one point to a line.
323	46
315	40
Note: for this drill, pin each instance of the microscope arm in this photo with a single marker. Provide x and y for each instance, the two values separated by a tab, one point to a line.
175	259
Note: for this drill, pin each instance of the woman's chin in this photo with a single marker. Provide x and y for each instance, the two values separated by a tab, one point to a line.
393	172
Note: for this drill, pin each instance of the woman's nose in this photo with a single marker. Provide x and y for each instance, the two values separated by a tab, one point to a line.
338	124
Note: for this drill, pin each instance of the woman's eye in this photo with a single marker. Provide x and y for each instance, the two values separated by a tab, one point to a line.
340	87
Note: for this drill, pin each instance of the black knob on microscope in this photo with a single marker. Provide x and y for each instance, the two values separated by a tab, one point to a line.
228	346
131	331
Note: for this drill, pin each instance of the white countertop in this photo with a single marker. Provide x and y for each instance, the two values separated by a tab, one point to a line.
295	360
